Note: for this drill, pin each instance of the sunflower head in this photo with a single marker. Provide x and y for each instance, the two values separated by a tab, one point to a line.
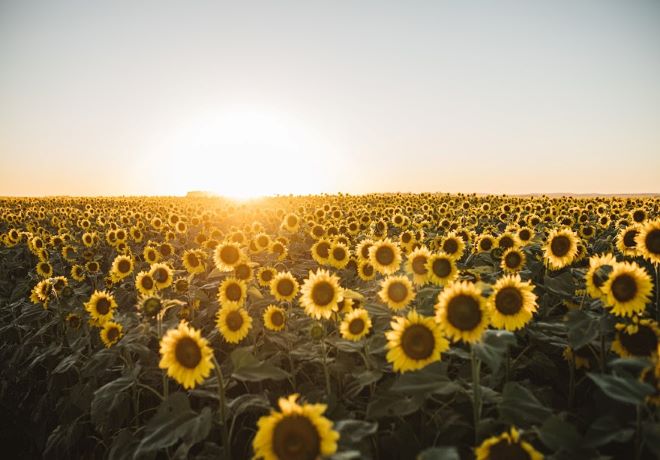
385	256
186	355
227	255
320	293
265	275
441	268
233	322
232	291
461	312
274	318
396	291
416	265
355	325
648	241
639	339
600	268
414	342
512	303
506	446
513	260
111	333
284	286
561	248
162	274
627	289
101	306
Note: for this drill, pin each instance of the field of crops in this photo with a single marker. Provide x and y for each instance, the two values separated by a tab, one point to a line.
426	326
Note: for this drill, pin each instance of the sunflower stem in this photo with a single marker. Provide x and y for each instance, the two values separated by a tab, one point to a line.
226	448
657	292
324	352
638	432
476	392
571	381
159	332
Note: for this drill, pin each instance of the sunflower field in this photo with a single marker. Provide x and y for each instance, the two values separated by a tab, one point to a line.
385	326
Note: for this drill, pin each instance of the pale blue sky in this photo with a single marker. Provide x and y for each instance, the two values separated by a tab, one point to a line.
153	97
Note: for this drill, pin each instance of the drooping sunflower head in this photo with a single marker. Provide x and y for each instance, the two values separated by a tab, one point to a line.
396	291
321	251
648	241
628	289
284	286
150	305
355	325
414	342
162	274
512	303
513	260
233	322
101	306
186	355
320	293
600	268
193	261
111	333
638	339
232	291
462	313
227	255
441	268
416	265
385	256
507	446
561	248
297	432
274	318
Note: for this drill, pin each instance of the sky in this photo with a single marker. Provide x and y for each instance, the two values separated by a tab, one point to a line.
251	98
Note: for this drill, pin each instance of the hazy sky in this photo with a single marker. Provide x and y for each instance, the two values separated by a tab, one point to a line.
161	97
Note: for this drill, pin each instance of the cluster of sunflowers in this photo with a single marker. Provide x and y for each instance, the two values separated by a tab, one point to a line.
422	271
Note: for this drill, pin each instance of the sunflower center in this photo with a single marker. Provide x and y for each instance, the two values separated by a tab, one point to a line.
193	261
629	238
441	268
229	255
486	244
234	320
233	292
524	234
277	318
397	291
638	216
124	266
642	343
365	251
242	271
296	438
506	242
417	342
368	269
161	275
262	241
339	253
323	293
384	255
103	306
267	275
285	287
463	312
624	288
505	451
560	245
188	353
323	250
356	326
601	274
512	260
652	241
508	300
450	246
419	265
147	282
113	333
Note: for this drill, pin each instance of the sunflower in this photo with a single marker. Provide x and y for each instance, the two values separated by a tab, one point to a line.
101	306
41	292
561	248
365	270
150	305
145	283
600	268
339	255
122	266
227	255
639	339
321	251
627	289
453	246
73	320
414	342
291	223
579	358
648	241
485	243
243	271
512	303
232	291
111	333
507	240
462	312
355	325
320	293
507	446
396	291
416	265
150	254
44	269
274	318
265	275
442	269
284	286
385	256
362	249
626	240
296	432
193	261
162	275
186	355
233	322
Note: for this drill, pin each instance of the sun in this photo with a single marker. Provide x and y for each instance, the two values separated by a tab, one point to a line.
245	152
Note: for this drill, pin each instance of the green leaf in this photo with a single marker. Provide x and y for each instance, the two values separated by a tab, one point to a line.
651	433
393	405
624	389
520	407
439	453
174	421
262	370
431	379
561	285
582	328
559	434
493	347
110	403
605	430
352	432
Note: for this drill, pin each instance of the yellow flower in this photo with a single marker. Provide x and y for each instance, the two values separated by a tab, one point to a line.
193	261
639	339
442	269
145	283
186	355
414	342
162	275
513	260
101	306
122	266
227	255
339	255
561	248
355	325
385	256
321	251
396	291
265	275
274	318
506	446
628	289
600	268
365	270
461	312
416	265
232	291
296	432
320	293
512	303
626	240
284	286
648	241
111	333
233	322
